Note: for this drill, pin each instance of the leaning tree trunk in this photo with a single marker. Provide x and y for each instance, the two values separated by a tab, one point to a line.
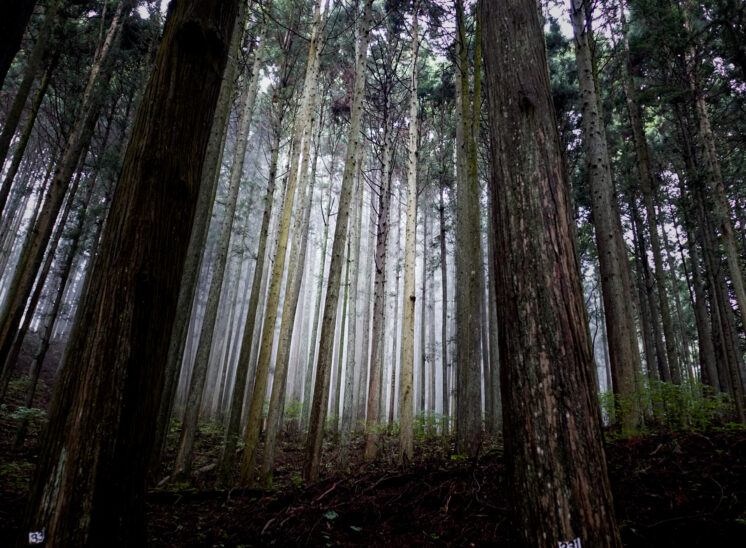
195	252
183	463
89	487
553	439
615	275
34	247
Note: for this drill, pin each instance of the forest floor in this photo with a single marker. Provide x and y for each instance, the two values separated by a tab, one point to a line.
670	489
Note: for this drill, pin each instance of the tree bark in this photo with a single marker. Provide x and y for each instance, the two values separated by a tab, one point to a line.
89	487
615	276
406	395
555	457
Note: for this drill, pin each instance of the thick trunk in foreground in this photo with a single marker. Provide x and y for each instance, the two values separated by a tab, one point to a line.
90	482
556	461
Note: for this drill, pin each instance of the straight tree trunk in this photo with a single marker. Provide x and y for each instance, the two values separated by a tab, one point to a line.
553	442
395	331
469	292
318	408
444	316
89	486
362	383
615	276
406	399
354	259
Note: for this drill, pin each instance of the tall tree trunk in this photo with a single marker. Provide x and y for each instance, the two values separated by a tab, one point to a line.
615	276
406	396
320	395
183	463
553	439
89	486
444	317
469	293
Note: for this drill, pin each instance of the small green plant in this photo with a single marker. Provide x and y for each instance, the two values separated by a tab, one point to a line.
690	405
30	414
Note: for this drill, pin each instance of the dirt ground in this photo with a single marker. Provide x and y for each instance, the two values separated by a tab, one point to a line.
670	490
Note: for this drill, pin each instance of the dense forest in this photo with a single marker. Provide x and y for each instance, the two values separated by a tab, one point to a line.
372	272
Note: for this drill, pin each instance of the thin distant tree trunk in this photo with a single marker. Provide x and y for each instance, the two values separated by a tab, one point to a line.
492	317
16	14
304	120
341	347
354	259
183	462
395	331
423	329
90	482
553	442
362	383
615	276
318	408
406	400
444	316
306	409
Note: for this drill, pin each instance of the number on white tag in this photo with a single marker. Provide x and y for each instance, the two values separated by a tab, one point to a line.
36	537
